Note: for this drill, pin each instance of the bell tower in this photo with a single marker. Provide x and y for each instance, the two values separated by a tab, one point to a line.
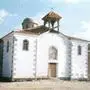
52	20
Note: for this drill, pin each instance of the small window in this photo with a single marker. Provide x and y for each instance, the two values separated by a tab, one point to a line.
7	46
88	46
25	45
52	53
79	50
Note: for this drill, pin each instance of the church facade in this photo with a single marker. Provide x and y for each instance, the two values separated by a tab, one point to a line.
43	52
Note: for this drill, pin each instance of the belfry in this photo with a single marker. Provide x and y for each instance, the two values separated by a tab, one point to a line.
51	18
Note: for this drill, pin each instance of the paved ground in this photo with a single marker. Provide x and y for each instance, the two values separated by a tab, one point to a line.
45	85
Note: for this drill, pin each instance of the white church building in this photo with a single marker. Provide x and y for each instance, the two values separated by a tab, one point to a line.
43	52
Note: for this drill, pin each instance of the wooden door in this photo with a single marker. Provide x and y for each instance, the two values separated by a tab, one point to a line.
52	69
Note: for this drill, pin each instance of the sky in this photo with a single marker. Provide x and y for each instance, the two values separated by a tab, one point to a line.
75	15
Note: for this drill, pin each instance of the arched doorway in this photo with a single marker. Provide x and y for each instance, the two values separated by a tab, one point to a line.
52	66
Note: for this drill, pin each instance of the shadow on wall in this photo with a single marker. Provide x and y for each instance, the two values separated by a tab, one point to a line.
1	56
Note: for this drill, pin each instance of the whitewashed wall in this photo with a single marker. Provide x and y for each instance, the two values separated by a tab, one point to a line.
89	60
45	41
24	61
39	54
79	63
24	64
7	56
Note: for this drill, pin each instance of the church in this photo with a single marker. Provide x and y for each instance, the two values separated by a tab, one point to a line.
44	52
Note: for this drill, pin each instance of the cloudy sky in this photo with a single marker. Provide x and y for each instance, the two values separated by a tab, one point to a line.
75	15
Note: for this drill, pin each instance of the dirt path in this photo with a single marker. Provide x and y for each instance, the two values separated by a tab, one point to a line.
46	85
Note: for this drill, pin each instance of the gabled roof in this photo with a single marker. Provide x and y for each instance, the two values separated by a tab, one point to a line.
42	29
36	30
51	15
75	38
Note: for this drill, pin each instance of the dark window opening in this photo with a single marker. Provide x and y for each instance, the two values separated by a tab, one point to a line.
79	50
88	46
25	45
7	46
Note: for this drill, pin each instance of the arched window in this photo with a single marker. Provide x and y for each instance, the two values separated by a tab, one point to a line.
79	50
7	46
25	45
52	53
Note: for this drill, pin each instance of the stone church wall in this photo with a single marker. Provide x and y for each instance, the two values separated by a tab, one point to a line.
1	56
60	42
7	56
35	62
79	63
24	61
89	61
